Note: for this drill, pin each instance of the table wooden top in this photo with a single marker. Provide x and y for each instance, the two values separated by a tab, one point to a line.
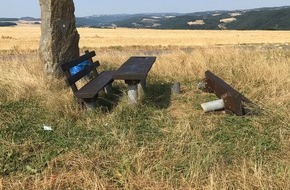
135	68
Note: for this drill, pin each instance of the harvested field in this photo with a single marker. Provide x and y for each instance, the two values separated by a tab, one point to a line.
166	141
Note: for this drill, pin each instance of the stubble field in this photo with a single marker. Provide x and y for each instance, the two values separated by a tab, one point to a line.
166	142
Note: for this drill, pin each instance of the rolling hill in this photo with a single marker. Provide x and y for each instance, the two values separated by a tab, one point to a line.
255	19
275	18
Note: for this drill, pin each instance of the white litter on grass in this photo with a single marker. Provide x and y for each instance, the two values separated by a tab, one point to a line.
47	128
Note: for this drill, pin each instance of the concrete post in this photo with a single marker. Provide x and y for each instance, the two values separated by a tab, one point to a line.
175	89
142	86
109	88
133	93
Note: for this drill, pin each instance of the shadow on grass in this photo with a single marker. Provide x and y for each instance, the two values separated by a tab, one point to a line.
158	94
107	102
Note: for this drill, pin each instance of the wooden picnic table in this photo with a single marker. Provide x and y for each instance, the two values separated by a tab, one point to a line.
134	71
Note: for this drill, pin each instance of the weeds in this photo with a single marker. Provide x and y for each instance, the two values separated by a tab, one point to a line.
6	37
166	142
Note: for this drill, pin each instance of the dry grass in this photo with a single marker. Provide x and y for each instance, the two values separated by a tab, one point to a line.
24	38
167	142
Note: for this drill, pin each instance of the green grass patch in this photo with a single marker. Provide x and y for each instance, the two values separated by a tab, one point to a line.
119	142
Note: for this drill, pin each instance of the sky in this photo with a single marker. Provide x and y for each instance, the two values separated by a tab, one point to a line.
22	8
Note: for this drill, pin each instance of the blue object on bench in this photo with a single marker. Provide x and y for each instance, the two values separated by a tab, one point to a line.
74	70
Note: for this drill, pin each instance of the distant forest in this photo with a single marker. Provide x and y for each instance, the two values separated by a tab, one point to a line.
275	18
7	24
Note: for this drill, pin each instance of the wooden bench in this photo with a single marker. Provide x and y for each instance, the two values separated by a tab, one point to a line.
88	93
133	72
234	101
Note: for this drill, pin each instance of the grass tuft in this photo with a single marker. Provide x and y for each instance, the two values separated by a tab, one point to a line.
165	142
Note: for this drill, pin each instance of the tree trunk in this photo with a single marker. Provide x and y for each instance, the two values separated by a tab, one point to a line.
59	38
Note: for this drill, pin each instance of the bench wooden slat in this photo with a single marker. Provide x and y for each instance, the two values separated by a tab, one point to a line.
76	61
135	68
91	89
219	87
74	78
88	92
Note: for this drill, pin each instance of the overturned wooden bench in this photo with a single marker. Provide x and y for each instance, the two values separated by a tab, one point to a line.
234	102
87	94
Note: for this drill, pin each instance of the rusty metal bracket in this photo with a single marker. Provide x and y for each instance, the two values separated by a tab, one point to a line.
234	101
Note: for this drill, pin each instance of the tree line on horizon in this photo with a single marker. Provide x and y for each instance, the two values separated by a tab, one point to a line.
256	19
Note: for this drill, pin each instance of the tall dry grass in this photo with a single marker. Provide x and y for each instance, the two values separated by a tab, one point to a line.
27	38
23	78
165	142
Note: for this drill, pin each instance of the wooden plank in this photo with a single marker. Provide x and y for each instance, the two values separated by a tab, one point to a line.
135	68
220	87
91	89
66	66
95	72
74	78
73	86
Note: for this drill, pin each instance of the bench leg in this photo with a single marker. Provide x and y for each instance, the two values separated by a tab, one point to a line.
142	86
175	89
109	88
90	104
133	93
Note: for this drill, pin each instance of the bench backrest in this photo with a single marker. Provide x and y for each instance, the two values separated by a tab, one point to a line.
72	79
